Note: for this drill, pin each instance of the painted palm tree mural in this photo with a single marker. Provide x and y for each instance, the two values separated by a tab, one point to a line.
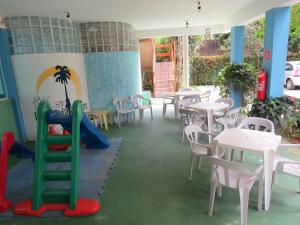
63	76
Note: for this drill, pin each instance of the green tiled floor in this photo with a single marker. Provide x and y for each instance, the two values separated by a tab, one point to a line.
148	186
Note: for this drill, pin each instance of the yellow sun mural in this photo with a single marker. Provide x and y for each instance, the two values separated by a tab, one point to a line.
51	71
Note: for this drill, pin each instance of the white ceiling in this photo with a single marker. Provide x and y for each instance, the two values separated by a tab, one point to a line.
146	14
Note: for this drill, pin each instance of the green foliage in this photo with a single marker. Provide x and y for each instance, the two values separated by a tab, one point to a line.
242	77
203	70
290	124
147	82
294	38
273	109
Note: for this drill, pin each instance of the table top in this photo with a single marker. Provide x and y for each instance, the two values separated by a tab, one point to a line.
246	139
216	106
186	93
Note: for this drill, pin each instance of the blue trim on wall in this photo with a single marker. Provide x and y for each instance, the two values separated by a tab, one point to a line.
112	74
237	56
276	41
10	83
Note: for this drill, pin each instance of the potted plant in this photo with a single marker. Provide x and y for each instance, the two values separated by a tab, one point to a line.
238	80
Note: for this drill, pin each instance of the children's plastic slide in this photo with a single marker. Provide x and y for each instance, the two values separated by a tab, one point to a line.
90	134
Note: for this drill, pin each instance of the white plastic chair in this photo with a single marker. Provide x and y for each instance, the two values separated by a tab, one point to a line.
256	123
124	106
167	100
199	148
227	101
188	100
138	102
205	96
235	176
286	165
185	112
229	120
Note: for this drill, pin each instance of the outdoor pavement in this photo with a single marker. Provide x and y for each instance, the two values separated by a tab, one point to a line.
293	93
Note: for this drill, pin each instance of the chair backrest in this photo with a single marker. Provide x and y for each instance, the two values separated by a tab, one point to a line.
205	95
232	116
122	102
228	101
228	172
189	99
137	99
257	123
185	89
196	136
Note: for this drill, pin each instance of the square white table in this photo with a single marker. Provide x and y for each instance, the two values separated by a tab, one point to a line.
262	142
210	108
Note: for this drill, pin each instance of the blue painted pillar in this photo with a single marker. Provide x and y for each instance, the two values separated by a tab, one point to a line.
10	83
275	45
237	56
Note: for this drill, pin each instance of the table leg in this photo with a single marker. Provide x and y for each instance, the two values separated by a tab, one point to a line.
105	121
210	123
268	169
176	100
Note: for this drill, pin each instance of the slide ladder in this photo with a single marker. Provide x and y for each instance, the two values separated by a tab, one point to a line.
45	198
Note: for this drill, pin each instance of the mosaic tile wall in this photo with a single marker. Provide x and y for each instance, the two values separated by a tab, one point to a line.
108	36
33	34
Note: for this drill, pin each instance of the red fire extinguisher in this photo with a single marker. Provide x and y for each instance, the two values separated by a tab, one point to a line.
262	85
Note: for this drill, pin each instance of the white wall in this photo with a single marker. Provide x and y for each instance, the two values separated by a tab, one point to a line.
29	67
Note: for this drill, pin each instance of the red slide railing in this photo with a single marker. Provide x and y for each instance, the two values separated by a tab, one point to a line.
7	141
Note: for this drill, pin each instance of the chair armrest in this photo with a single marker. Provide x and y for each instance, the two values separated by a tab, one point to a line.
134	104
149	101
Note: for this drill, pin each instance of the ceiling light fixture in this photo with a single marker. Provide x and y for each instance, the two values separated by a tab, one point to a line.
199	7
187	24
68	15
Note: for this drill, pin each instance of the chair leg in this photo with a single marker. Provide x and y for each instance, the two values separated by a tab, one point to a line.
133	117
164	110
141	114
199	162
260	193
151	113
242	159
219	191
119	120
191	166
244	200
213	187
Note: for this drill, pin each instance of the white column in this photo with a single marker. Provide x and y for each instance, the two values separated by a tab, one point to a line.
186	64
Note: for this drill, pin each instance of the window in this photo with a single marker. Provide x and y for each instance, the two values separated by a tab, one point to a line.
288	67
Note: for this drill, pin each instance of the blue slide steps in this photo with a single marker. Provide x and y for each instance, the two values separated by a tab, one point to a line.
90	134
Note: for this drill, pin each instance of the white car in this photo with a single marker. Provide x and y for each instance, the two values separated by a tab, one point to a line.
292	74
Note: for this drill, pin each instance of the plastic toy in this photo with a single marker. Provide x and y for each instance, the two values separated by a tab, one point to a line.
57	147
57	199
7	141
89	133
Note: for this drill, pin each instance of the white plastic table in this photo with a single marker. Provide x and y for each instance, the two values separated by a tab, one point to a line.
262	142
210	108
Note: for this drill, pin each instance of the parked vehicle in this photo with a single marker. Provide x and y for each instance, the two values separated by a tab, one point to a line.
292	74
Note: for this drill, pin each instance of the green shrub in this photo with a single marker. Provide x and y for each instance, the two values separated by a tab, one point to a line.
242	77
203	70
